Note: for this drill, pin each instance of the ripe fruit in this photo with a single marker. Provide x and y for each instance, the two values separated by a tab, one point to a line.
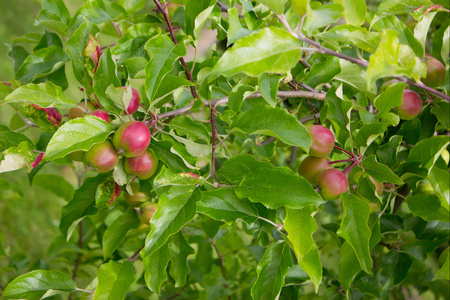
147	212
142	166
79	112
322	141
132	138
411	105
134	102
101	114
332	183
311	167
435	72
379	186
102	157
138	197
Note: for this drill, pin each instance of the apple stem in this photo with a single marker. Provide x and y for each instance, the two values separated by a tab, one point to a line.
346	152
343	160
346	171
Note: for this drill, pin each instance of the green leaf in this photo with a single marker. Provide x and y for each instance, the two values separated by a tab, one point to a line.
105	76
223	205
275	122
164	53
270	50
75	48
300	226
271	271
398	7
195	14
440	180
132	43
268	86
77	134
393	59
155	266
44	95
114	280
320	16
2	249
167	178
15	158
445	44
175	208
277	6
35	284
405	35
355	230
10	139
41	62
353	75
116	233
237	96
348	269
380	172
82	205
53	15
54	184
338	111
321	73
97	11
429	207
395	268
367	135
444	271
166	153
235	31
422	27
168	85
180	250
273	187
392	97
353	35
354	11
442	112
427	151
184	125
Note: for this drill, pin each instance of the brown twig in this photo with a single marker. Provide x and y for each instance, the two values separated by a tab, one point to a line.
213	146
174	39
136	255
119	33
222	268
224	100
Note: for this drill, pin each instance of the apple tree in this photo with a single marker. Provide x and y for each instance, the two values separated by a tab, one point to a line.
302	154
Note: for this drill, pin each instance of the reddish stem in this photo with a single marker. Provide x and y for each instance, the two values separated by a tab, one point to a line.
343	160
345	151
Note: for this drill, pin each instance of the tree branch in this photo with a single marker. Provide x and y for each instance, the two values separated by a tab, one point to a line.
174	39
213	146
224	100
136	255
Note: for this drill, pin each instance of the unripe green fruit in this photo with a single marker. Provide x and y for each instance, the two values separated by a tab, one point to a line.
387	84
101	114
435	72
79	112
102	157
147	212
132	138
134	102
77	156
137	198
142	166
373	207
322	141
411	105
425	187
332	183
379	186
312	166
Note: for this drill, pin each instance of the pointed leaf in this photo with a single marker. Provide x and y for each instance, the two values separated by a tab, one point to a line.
355	230
34	285
155	266
180	250
77	134
271	271
114	280
300	226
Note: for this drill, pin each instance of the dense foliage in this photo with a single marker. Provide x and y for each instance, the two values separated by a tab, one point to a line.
302	153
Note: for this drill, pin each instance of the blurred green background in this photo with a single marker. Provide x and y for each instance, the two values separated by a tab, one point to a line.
29	215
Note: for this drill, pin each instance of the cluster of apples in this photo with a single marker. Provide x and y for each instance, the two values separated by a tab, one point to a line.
131	140
316	168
